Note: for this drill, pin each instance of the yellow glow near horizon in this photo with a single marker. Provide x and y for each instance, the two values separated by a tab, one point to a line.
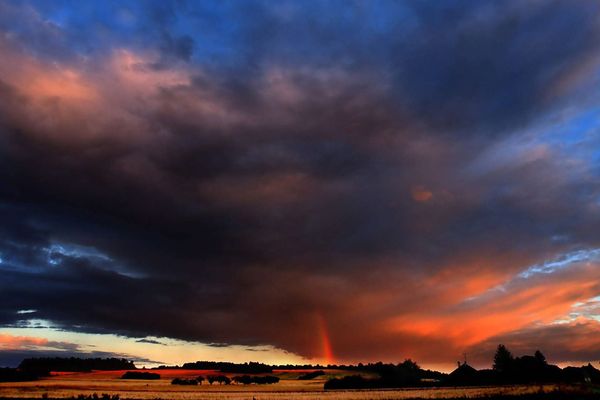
170	352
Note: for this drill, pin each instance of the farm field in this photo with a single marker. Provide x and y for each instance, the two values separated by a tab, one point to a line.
65	385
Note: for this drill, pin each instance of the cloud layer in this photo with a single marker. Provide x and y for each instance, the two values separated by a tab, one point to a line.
406	179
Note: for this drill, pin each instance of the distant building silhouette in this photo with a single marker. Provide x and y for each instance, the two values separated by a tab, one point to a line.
464	374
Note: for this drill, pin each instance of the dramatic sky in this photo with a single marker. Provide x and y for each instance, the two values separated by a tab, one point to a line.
290	181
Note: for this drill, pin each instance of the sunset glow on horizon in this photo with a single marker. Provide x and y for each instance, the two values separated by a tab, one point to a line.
290	183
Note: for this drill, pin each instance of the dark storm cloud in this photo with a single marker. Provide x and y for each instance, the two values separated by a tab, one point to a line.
226	174
487	68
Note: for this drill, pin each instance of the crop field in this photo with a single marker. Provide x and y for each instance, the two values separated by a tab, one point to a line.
65	385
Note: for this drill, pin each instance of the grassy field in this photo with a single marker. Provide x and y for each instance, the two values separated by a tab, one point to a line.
64	385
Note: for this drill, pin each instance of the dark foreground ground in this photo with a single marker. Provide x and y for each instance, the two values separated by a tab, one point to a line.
572	394
107	385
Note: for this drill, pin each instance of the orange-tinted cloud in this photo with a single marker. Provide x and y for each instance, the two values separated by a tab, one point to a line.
420	194
10	342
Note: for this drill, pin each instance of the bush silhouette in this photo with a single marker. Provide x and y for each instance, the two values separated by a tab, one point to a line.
311	375
139	375
221	379
17	375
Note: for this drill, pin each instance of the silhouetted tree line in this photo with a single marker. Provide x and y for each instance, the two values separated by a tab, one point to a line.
17	375
404	374
407	367
301	366
224	380
216	365
507	369
256	368
311	375
140	375
220	379
352	382
73	364
229	367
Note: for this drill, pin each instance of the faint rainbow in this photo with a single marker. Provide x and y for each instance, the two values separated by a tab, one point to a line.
326	349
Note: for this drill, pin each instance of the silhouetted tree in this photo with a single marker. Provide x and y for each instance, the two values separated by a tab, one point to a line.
244	379
503	359
222	379
540	357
